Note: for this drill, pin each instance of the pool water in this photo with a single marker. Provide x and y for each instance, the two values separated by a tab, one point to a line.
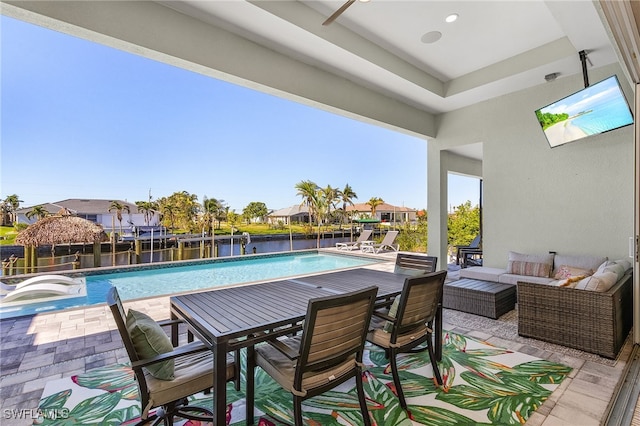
159	281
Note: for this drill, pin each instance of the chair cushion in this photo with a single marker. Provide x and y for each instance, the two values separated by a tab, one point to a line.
193	373
150	340
282	369
383	339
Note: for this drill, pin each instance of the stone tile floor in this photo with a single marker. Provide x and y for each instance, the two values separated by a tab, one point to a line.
34	350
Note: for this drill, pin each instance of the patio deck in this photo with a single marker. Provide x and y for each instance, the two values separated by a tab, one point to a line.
50	346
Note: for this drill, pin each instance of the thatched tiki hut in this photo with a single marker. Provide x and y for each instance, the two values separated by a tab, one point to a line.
59	229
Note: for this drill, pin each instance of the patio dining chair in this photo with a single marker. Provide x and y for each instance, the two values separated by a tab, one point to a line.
414	264
407	326
165	375
326	354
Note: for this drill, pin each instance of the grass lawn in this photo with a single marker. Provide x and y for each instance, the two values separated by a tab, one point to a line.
7	235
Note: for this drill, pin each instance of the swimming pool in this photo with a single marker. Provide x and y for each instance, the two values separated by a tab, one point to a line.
149	281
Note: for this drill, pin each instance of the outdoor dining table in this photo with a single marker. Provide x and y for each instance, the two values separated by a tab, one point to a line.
237	317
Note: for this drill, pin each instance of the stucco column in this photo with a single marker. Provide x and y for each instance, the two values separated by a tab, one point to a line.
436	205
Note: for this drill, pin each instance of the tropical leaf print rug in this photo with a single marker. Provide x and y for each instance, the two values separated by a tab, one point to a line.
483	385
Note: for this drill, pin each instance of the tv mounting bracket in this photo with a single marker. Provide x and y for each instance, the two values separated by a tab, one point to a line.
584	59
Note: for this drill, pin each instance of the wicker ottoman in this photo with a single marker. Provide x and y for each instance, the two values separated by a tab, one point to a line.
485	298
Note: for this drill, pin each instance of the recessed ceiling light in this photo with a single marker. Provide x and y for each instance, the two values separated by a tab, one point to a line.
451	18
431	37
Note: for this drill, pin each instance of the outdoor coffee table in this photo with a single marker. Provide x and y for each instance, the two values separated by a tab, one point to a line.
485	298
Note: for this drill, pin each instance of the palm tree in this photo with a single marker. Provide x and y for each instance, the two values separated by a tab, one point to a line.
168	209
331	196
118	207
9	205
373	203
347	195
213	209
148	208
308	190
38	212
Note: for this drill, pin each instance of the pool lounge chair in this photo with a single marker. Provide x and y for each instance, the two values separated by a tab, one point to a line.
354	245
43	288
387	243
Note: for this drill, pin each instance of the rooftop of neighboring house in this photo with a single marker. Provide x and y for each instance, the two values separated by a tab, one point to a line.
81	206
384	207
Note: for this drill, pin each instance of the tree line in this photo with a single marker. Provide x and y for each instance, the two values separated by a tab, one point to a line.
182	211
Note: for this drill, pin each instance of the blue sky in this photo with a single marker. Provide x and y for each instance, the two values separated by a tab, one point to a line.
82	120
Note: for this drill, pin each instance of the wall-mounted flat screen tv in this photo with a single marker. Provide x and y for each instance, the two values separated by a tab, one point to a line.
596	109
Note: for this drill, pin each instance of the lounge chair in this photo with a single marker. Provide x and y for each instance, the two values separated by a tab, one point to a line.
353	245
464	253
43	288
387	243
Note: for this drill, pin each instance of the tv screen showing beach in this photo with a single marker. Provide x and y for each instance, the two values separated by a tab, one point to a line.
596	109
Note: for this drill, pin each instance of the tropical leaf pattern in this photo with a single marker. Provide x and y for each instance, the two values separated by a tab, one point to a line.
483	385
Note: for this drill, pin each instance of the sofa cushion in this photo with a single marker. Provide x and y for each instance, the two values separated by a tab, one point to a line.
515	278
582	262
483	273
530	264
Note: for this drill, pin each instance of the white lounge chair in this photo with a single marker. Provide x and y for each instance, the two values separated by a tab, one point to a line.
44	288
353	245
387	243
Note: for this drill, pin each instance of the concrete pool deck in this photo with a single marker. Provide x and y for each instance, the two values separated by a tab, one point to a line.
49	346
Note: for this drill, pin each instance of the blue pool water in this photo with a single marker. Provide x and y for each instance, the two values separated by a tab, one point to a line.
159	281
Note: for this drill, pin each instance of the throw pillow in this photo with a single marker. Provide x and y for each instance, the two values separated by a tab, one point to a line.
566	271
614	267
149	340
624	262
598	282
529	268
532	265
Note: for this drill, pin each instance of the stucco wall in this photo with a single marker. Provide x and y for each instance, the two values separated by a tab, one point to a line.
577	198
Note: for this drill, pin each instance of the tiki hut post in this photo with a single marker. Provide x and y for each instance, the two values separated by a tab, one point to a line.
34	258
180	250
97	254
27	259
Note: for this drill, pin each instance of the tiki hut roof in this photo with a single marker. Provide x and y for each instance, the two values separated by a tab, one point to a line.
53	230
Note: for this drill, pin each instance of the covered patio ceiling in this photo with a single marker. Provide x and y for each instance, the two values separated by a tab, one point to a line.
393	63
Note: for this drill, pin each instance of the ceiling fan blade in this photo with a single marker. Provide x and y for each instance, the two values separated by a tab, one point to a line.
338	12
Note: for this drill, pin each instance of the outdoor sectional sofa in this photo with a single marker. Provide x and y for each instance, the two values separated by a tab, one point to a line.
582	302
